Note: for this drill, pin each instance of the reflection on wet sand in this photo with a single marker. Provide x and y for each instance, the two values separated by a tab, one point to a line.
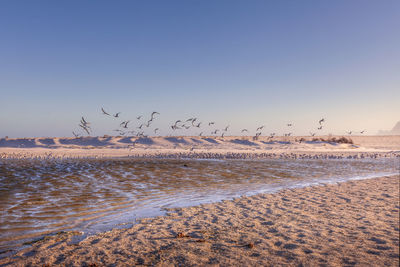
46	196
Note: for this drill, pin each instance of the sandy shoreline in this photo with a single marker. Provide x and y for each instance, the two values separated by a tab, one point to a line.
351	223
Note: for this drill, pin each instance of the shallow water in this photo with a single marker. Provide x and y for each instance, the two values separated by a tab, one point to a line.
39	197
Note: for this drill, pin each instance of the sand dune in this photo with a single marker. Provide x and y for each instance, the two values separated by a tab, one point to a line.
194	146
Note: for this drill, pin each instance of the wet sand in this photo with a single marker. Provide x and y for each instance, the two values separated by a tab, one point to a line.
345	224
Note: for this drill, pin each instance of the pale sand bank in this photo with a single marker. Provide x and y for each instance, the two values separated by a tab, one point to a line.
346	224
201	147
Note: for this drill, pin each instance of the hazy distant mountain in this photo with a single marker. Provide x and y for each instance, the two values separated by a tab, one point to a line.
394	131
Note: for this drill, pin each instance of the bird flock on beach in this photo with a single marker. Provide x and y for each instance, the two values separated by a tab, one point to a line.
142	123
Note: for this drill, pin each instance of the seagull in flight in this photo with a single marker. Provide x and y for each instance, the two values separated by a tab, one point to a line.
84	128
155	130
321	121
153	114
174	127
126	124
211	123
312	134
193	120
226	128
260	128
244	130
84	122
363	131
75	134
289	124
138	118
116	115
320	127
104	112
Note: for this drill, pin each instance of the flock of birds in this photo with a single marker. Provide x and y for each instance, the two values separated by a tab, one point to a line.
187	124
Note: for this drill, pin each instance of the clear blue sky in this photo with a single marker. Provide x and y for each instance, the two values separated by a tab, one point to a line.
239	63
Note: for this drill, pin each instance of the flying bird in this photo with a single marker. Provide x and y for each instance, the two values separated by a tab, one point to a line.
260	128
104	112
349	132
85	128
126	124
244	130
155	130
321	121
153	114
312	134
138	118
75	134
363	131
211	123
116	115
289	124
84	122
320	127
226	128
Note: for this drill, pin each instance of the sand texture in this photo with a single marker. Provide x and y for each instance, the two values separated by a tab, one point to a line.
353	223
201	147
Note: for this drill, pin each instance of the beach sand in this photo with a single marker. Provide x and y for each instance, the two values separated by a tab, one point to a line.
353	223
